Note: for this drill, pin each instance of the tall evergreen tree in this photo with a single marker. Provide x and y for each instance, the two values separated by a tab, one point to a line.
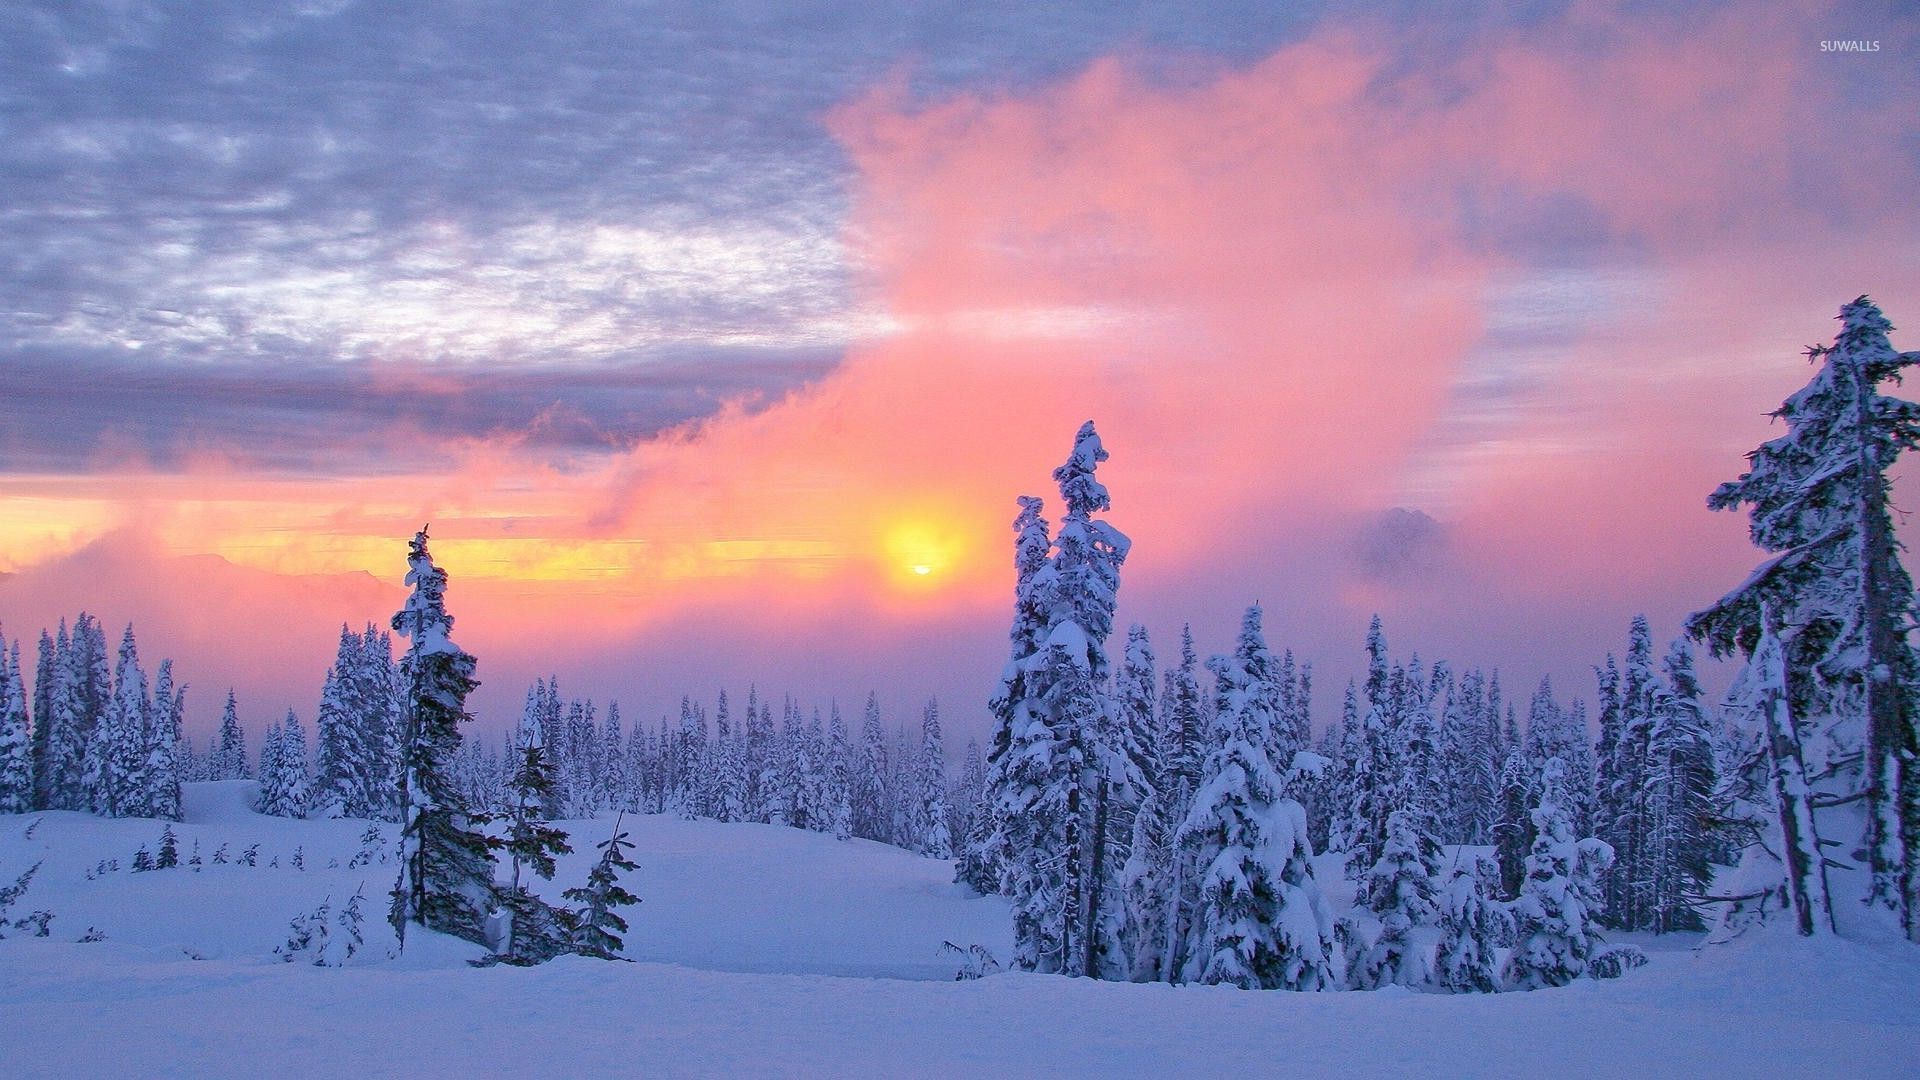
116	755
230	752
928	813
837	779
1400	891
1054	697
16	740
991	858
1554	920
1818	497
163	739
42	718
1258	919
1677	848
871	819
446	875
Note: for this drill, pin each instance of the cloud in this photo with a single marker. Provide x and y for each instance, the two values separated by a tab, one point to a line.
1402	546
1541	278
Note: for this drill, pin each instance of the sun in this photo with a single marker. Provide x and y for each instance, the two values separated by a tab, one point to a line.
919	553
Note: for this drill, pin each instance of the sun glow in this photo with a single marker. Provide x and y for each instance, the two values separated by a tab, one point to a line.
921	551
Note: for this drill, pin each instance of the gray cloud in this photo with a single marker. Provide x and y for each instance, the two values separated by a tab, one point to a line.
220	217
1401	546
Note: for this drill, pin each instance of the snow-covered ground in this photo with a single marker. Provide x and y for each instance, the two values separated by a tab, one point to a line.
769	951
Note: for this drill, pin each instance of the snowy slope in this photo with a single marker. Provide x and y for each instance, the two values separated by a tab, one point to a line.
726	904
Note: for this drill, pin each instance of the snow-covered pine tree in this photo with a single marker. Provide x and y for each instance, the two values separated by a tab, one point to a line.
970	797
1818	497
1259	920
531	842
991	859
163	738
1400	891
578	765
446	875
836	777
1376	763
16	738
1157	899
786	801
1764	692
1677	848
927	812
287	792
598	926
116	756
613	761
1471	928
268	771
41	716
355	772
1052	763
1132	775
1467	761
1628	885
871	819
1554	918
1513	830
81	690
813	772
230	752
764	750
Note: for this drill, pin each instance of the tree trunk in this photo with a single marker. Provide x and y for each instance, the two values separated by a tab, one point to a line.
1096	879
1806	866
1889	721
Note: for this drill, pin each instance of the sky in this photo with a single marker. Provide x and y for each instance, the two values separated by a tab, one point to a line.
715	340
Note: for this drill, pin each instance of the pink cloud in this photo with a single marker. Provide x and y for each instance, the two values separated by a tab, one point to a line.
1266	290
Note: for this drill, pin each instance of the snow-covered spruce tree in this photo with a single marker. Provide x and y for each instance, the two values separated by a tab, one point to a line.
540	932
1513	830
1555	923
355	772
613	761
989	859
814	772
597	926
1467	744
1158	901
77	698
288	791
16	739
871	819
446	865
164	737
1471	928
1259	920
1133	776
1375	768
116	757
1554	731
1677	847
230	753
1400	891
40	716
729	777
1628	900
1056	701
1764	692
1818	497
836	779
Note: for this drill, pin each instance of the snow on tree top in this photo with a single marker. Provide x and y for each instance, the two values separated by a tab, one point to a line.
1083	494
424	618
